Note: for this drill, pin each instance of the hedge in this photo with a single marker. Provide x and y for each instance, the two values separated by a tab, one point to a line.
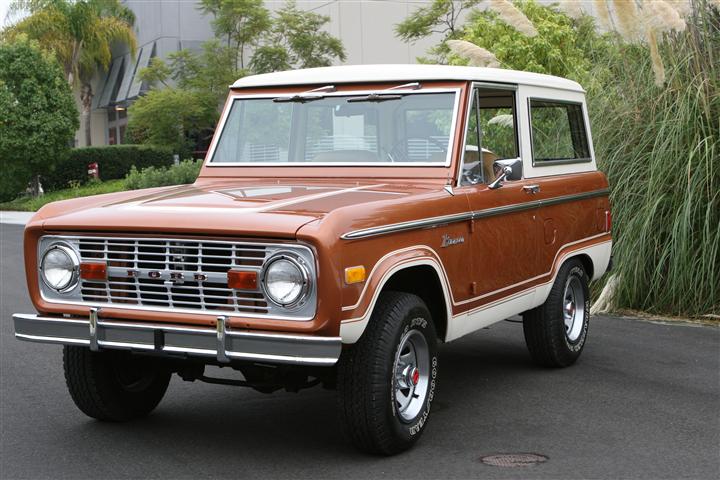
114	161
185	172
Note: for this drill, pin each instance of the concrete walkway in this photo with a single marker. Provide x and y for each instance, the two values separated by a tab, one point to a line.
15	218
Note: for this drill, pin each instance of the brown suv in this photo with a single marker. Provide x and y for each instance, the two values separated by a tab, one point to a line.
346	220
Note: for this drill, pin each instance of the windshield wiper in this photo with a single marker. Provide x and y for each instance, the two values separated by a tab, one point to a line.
299	98
308	96
374	97
379	97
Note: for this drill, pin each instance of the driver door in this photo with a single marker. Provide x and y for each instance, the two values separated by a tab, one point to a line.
503	239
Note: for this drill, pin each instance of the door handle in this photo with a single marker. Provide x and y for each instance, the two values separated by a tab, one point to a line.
531	188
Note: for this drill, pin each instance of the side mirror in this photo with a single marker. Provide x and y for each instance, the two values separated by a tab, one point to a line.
497	183
509	170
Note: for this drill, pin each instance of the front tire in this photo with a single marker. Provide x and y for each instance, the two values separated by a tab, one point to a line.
114	385
556	331
387	380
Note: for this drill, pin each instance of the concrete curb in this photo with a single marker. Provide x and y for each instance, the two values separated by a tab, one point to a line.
15	218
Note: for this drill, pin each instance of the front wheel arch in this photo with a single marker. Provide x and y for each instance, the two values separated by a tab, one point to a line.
423	281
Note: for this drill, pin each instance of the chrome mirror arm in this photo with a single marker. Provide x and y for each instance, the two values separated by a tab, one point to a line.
497	183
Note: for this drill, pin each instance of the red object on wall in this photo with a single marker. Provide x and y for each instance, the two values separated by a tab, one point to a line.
94	170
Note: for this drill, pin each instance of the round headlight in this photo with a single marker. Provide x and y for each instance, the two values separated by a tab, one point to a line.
59	267
285	281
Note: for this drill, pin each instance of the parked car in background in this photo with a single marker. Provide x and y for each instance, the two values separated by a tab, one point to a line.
346	221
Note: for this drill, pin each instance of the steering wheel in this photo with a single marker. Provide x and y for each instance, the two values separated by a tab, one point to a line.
399	153
474	174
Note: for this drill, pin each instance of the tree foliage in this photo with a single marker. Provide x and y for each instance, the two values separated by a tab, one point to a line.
80	33
241	23
441	16
39	117
296	40
186	109
171	117
556	49
293	38
209	71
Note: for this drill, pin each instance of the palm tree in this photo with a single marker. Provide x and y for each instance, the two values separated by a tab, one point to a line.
81	33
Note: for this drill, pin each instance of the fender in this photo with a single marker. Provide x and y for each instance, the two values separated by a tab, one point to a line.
356	317
518	299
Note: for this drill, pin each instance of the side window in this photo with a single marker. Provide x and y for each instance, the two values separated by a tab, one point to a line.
558	133
491	134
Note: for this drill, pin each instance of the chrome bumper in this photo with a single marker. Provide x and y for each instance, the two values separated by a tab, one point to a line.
221	343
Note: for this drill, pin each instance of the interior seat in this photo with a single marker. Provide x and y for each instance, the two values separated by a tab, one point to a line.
346	156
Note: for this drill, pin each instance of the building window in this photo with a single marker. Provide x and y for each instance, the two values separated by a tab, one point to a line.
117	122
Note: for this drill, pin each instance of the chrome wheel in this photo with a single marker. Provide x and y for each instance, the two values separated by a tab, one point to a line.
573	308
411	375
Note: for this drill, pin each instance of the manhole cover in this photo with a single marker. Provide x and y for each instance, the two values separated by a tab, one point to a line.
514	459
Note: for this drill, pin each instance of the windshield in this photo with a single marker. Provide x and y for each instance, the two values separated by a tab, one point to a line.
393	128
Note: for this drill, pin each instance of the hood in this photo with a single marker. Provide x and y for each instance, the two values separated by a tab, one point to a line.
256	208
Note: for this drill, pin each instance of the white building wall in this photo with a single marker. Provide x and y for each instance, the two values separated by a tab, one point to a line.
365	27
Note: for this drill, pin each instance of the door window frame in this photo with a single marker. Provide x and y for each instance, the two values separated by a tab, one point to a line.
562	161
474	87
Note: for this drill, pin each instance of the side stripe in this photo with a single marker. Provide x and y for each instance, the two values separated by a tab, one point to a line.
474	215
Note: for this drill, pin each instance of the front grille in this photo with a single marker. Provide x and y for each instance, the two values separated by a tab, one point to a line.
199	269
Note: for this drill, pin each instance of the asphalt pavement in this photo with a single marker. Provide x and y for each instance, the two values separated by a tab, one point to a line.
642	402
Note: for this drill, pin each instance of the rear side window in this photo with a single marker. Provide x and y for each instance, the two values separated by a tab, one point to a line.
558	133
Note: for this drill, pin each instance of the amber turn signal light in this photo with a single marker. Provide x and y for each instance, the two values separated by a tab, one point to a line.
354	274
93	271
242	280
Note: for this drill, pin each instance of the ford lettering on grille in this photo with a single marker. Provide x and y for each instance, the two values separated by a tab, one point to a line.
174	274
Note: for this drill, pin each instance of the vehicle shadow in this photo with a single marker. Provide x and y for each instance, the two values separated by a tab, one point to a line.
210	421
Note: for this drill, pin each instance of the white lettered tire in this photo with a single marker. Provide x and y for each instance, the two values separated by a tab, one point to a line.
388	379
556	331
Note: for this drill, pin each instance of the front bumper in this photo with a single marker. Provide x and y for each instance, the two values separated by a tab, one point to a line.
220	343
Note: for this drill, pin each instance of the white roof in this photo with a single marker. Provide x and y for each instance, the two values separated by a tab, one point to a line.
402	73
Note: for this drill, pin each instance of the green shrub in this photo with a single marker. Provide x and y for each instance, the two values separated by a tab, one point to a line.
114	161
38	117
186	172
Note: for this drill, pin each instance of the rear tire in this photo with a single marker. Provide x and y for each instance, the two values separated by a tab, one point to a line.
556	331
114	385
387	380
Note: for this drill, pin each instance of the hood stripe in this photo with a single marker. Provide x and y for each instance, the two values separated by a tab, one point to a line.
236	209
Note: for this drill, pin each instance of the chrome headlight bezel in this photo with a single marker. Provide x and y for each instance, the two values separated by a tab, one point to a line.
74	260
305	289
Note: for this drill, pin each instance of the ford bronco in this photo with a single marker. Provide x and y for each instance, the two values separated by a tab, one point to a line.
346	220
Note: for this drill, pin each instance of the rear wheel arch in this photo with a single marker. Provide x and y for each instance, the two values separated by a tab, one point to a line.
586	261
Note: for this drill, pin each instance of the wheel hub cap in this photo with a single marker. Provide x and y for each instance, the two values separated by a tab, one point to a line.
415	376
412	372
573	308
